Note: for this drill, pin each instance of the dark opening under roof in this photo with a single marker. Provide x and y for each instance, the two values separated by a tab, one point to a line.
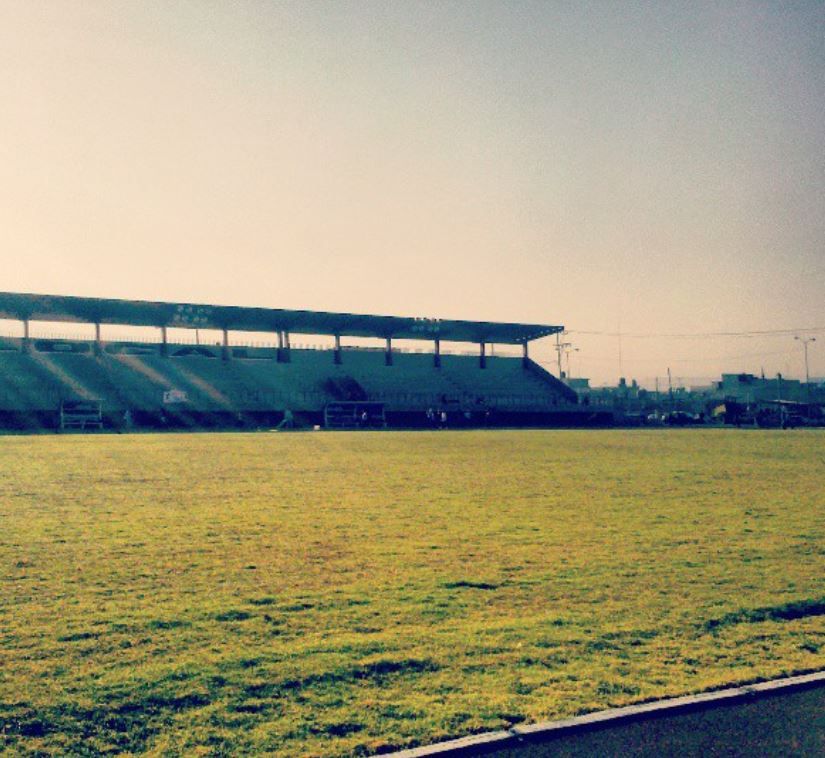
23	306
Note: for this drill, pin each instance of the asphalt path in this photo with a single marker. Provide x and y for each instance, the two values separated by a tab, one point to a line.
783	718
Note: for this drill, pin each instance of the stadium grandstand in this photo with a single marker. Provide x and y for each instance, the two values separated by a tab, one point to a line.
52	382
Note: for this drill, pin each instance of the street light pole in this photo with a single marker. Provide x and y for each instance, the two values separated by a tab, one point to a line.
805	341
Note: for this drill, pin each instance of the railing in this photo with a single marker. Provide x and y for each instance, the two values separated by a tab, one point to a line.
147	340
80	415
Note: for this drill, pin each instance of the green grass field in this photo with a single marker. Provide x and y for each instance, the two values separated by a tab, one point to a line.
340	594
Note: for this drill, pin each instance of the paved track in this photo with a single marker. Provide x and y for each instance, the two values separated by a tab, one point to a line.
785	718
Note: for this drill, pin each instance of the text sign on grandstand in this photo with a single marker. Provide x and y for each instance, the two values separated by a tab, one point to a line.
175	396
192	315
426	326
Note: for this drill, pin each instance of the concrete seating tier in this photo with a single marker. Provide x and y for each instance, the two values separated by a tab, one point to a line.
121	381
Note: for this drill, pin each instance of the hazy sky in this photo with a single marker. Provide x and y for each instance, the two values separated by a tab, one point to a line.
649	168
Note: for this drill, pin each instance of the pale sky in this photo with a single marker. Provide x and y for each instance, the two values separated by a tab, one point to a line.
648	168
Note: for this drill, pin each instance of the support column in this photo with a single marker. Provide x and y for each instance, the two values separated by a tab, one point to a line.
164	342
25	345
337	353
225	348
437	354
287	355
98	346
482	356
525	358
388	352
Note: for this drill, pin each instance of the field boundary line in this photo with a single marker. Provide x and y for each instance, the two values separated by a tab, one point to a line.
547	730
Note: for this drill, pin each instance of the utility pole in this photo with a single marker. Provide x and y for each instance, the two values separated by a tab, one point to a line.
570	349
558	352
560	348
805	341
670	387
657	395
779	399
621	364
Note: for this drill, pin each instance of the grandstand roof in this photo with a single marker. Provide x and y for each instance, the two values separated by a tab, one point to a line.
22	306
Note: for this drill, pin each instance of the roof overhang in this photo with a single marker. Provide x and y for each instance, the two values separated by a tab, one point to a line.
32	307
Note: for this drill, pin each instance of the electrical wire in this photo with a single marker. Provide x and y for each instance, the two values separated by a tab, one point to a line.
704	335
706	359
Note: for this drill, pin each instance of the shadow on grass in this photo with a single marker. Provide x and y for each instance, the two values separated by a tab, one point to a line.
125	726
465	584
784	612
376	672
129	721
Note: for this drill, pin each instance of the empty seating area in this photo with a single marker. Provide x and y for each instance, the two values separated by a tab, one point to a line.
24	386
503	383
254	381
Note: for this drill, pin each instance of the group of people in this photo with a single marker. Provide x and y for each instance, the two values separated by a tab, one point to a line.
436	419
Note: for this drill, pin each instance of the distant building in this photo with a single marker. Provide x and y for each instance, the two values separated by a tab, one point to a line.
580	385
747	389
629	401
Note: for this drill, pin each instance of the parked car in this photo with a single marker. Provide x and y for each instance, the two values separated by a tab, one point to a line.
682	418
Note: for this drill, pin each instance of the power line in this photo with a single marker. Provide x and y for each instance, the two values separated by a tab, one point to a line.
704	335
705	359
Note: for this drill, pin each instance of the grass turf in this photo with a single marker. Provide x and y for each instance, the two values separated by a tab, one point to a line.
339	594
